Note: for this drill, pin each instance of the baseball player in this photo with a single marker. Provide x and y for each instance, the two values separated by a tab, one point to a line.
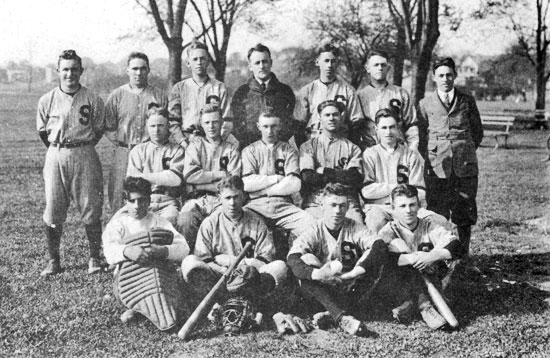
263	91
161	163
330	158
126	112
379	93
207	161
219	243
271	174
328	88
70	122
133	219
387	165
450	120
338	261
190	95
423	246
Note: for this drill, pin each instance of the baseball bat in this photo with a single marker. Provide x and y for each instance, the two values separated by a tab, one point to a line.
440	303
208	300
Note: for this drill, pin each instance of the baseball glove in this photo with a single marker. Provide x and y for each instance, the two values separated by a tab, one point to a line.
243	280
290	323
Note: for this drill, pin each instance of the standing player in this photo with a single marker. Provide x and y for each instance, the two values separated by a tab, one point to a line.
450	120
330	158
338	261
190	95
262	91
119	246
379	93
160	163
70	122
207	161
328	88
126	113
271	174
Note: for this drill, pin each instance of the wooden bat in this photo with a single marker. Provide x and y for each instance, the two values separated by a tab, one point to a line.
208	300
435	295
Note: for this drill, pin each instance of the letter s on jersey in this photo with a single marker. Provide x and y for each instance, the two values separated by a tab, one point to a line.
86	115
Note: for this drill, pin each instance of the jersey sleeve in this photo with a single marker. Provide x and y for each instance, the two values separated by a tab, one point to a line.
235	166
354	108
111	112
42	115
416	175
193	172
203	245
113	247
292	164
307	160
249	162
177	161
135	163
305	243
174	101
264	249
98	117
355	159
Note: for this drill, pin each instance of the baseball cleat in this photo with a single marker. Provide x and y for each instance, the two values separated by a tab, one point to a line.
53	268
323	320
432	318
94	266
351	325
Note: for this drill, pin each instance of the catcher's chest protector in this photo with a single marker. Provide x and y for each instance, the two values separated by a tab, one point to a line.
153	291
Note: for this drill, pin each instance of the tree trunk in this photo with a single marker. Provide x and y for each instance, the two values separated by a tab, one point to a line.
399	57
421	65
540	101
175	52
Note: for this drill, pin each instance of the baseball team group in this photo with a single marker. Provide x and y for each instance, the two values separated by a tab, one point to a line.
347	196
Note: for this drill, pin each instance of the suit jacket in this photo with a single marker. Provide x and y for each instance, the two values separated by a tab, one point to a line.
451	136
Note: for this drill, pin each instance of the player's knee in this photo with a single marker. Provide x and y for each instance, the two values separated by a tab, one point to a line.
311	260
376	219
278	269
189	264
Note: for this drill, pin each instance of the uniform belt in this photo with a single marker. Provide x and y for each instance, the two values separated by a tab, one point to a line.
161	192
124	145
270	196
450	136
69	145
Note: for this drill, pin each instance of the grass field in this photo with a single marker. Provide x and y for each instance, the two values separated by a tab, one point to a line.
503	312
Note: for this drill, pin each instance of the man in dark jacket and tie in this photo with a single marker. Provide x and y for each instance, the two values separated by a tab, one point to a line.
452	132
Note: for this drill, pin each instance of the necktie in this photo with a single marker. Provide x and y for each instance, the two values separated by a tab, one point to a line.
448	100
263	87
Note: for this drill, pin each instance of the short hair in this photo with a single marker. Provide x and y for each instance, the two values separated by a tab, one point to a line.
139	55
378	52
386	112
328	47
196	45
136	185
233	182
447	61
336	189
268	112
156	109
258	48
329	103
211	108
406	190
69	55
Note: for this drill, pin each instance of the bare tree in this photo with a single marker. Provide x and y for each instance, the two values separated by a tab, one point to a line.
356	26
418	19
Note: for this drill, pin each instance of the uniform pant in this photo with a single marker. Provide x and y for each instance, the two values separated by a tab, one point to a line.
192	215
73	174
116	178
453	197
165	206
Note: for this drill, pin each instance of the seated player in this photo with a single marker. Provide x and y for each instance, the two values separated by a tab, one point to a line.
271	174
387	165
161	163
127	244
219	242
330	158
424	247
207	161
338	261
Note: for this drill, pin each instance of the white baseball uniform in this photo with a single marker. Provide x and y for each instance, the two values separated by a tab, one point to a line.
72	170
126	116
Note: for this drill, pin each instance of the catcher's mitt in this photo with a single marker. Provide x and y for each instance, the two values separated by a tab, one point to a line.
243	280
235	316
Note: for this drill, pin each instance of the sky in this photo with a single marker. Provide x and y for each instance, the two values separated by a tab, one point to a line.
38	30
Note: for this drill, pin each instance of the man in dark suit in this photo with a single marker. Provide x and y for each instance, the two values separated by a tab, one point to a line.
452	132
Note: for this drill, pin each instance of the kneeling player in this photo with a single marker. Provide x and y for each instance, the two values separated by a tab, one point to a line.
144	247
424	246
219	242
338	261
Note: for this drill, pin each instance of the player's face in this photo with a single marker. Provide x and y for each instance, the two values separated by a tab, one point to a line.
212	125
327	63
158	129
269	127
387	131
197	61
405	210
377	68
69	73
260	65
335	208
331	119
232	202
137	72
137	205
444	78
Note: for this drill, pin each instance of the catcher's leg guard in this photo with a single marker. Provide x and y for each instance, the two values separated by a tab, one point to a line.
53	238
93	231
